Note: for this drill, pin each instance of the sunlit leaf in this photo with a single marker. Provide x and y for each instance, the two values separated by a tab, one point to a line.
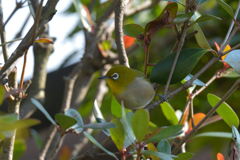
233	60
224	110
36	138
169	113
8	118
99	145
164	146
20	124
116	108
78	127
44	40
188	58
152	127
43	110
140	122
159	154
200	37
2	93
196	81
196	119
163	133
184	156
226	7
182	17
117	134
65	121
215	134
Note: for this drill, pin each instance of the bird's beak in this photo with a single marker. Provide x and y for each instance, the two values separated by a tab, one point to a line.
103	77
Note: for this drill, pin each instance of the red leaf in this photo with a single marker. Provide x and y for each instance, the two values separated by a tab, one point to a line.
44	40
128	41
65	153
220	156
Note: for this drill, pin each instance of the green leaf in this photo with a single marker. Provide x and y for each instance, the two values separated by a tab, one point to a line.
133	30
99	117
99	145
164	146
184	156
140	122
101	9
152	127
100	125
106	45
36	138
205	18
169	113
163	133
198	2
8	118
20	124
117	134
43	110
230	73
2	93
127	125
182	17
2	136
226	7
159	154
82	14
188	58
215	134
19	148
200	37
78	127
65	121
233	60
224	110
116	108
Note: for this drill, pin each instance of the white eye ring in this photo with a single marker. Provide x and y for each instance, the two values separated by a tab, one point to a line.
115	76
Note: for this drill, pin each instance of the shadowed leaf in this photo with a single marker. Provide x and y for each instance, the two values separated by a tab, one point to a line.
78	127
65	121
184	156
182	17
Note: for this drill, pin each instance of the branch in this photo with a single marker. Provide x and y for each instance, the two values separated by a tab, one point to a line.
119	12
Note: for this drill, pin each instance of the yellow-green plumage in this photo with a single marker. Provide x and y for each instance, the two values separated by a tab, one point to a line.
130	86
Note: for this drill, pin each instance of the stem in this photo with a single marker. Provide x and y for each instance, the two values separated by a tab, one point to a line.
146	59
230	91
23	70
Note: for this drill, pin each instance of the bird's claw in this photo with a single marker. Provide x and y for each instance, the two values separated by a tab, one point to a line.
162	98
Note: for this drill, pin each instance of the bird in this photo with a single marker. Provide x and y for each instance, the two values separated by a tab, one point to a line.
130	86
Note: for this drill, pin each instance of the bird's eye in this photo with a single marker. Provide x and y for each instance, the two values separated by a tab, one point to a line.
115	76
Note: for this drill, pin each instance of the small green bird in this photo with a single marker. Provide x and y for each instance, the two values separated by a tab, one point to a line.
130	86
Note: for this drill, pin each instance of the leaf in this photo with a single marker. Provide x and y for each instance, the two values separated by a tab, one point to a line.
78	127
43	110
128	41
230	73
140	122
31	9
184	156
211	120
166	17
117	134
152	127
133	30
98	144
198	2
233	60
236	136
65	121
100	125
8	118
116	108
65	153
188	58
127	125
99	117
82	14
182	17
169	113
163	133
151	147
205	18
2	93
196	119
106	45
164	146
43	40
20	124
159	154
214	134
177	1
224	110
196	81
220	156
101	9
226	7
20	147
200	37
36	138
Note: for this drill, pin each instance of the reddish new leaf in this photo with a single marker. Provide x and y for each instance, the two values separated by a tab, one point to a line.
44	40
220	156
128	41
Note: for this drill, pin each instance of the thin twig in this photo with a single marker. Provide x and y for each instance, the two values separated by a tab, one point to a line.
23	70
119	12
230	50
230	91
